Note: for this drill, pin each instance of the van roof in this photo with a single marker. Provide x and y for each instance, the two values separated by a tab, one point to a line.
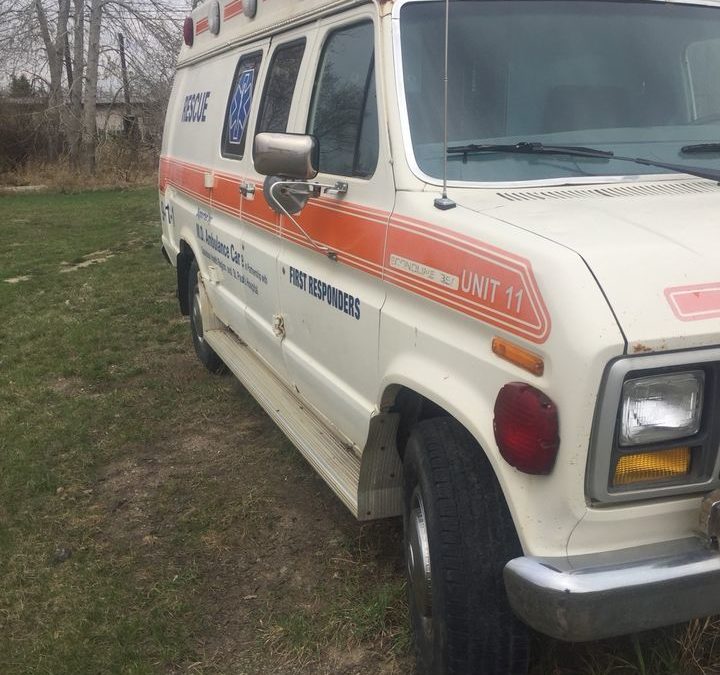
238	25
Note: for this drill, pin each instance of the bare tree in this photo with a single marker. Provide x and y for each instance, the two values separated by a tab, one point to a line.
89	132
68	48
75	116
55	50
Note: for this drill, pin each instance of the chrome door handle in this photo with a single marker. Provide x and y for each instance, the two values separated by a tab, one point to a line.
340	188
247	190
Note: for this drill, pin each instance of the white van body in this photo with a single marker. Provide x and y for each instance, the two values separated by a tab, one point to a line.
599	277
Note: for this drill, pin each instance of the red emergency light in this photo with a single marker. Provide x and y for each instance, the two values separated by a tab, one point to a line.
189	31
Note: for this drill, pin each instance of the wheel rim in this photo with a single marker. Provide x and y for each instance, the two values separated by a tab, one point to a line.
196	316
418	561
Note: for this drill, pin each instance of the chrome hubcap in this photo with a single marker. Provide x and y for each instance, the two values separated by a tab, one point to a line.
197	316
418	560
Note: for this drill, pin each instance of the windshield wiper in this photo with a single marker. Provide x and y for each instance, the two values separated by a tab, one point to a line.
700	147
528	148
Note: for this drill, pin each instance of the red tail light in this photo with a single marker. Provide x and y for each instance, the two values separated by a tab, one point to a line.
189	31
526	428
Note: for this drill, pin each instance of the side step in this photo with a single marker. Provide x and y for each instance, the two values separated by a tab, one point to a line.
335	461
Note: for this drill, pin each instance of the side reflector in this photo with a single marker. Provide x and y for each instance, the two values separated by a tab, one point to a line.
526	428
189	31
519	356
649	466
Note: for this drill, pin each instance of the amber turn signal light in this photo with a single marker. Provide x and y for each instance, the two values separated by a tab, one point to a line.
520	356
652	466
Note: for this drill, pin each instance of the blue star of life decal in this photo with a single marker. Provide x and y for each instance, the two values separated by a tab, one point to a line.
240	106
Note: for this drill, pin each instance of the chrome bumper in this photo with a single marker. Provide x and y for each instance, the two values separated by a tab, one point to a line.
590	597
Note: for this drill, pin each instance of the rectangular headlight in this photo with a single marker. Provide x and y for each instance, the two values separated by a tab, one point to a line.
661	407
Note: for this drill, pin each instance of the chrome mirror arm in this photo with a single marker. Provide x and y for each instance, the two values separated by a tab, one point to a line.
313	190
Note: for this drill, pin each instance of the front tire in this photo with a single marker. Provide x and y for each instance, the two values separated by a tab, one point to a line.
203	350
458	536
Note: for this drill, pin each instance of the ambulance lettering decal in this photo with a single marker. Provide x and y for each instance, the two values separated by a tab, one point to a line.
424	272
495	286
323	291
240	106
195	107
227	257
696	302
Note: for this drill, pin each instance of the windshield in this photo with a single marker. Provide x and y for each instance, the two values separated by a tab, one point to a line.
638	79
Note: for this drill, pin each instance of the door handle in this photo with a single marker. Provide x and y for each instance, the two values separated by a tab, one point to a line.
340	188
247	190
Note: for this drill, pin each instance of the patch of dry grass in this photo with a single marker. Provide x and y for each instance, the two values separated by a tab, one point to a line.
119	164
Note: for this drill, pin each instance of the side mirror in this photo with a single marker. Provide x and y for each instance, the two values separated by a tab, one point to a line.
292	156
287	197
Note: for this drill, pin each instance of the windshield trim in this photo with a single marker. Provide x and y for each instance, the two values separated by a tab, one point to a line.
398	5
542	182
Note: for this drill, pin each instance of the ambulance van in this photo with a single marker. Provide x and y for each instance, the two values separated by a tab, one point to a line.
467	256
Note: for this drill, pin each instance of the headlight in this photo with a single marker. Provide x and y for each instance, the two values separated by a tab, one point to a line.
661	407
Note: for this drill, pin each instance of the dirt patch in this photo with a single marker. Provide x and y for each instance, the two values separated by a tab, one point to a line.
68	386
17	280
16	189
267	537
76	387
93	258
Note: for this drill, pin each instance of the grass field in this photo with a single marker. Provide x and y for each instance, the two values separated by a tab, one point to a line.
152	518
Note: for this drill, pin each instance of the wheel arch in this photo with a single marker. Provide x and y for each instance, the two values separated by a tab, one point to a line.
415	402
403	405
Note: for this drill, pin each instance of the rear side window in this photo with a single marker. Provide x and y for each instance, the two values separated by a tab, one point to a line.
278	94
343	113
237	113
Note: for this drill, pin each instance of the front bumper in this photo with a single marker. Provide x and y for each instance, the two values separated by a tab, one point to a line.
595	596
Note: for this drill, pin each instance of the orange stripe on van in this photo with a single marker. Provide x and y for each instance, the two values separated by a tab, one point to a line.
695	302
226	194
453	269
232	9
477	278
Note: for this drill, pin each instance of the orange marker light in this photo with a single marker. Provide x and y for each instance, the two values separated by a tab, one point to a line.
521	357
649	466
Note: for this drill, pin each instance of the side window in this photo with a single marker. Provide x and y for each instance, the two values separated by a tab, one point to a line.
343	113
705	91
237	113
279	88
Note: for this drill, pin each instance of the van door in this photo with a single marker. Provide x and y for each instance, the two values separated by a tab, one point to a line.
261	239
223	231
330	305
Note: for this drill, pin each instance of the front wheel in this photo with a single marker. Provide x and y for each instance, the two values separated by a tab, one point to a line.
458	537
204	351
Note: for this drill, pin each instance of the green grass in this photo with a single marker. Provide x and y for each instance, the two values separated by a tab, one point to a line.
153	520
116	446
69	347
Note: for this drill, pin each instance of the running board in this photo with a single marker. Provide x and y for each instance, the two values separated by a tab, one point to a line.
334	460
